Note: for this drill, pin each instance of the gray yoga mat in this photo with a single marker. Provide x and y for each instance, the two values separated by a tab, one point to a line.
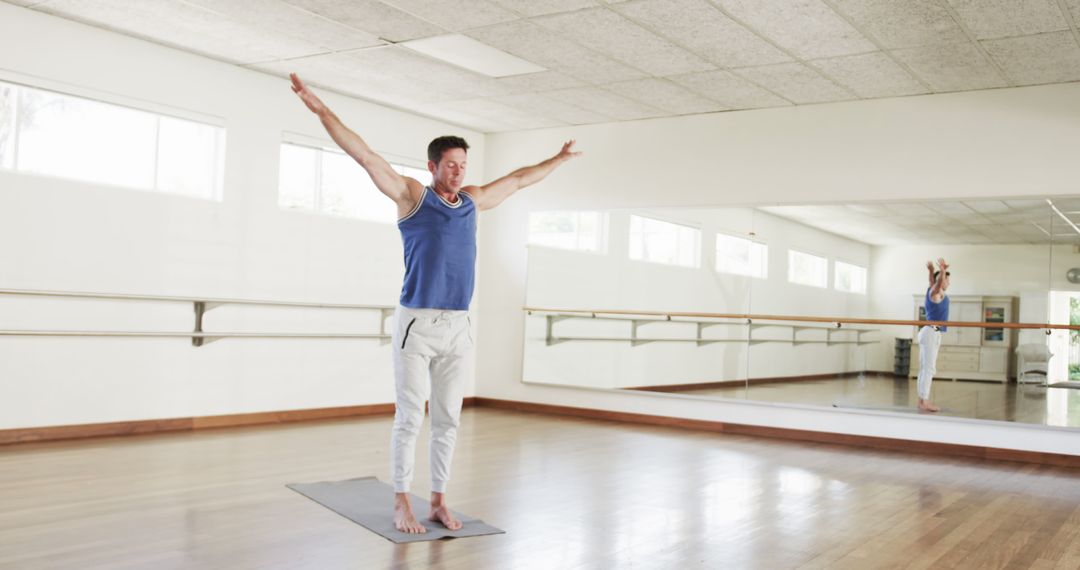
369	503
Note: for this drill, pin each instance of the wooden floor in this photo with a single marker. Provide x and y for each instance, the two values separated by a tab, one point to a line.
570	493
965	399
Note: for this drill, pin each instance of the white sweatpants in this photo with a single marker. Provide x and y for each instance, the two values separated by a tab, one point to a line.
929	342
432	355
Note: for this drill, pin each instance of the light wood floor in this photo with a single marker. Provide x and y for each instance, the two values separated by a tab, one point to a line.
570	493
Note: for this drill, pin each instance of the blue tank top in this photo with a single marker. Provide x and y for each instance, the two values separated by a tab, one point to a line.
937	311
440	253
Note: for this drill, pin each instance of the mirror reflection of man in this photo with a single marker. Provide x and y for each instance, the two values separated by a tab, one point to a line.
937	309
432	337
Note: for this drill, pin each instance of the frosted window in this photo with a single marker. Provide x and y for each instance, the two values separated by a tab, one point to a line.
189	158
664	242
54	134
741	256
330	182
583	231
850	278
808	269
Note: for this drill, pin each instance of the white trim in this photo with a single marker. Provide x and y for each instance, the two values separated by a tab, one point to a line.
416	208
448	204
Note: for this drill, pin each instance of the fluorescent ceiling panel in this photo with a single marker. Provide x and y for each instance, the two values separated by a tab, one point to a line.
466	52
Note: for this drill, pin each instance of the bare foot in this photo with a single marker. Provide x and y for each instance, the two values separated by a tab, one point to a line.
926	406
404	519
441	514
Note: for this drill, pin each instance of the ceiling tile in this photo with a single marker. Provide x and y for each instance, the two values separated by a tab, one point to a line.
605	102
539	81
298	23
614	35
478	122
875	210
665	95
730	90
871	75
185	26
455	14
951	67
909	23
547	49
701	28
808	28
500	112
797	82
1027	204
1007	18
546	106
339	73
1044	58
542	7
371	16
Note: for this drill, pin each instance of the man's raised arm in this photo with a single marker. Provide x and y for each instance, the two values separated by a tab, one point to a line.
490	195
389	182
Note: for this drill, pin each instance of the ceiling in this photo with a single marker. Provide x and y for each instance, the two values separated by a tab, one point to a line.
970	222
609	60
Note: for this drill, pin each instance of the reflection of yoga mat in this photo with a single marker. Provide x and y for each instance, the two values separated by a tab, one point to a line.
1071	384
369	503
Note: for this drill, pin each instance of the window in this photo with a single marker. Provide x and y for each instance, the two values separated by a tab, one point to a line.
850	278
53	134
808	269
329	181
741	256
583	231
664	242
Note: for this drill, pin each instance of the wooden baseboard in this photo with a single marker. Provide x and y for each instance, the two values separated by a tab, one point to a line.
54	433
753	382
890	444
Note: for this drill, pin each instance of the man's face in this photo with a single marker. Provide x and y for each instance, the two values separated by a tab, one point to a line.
450	171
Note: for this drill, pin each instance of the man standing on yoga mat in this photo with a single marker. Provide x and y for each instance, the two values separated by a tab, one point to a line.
432	340
937	309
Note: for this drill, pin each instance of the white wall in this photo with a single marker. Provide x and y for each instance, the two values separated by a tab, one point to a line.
1005	142
62	235
577	280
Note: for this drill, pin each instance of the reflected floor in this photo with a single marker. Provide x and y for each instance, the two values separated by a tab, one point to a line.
968	399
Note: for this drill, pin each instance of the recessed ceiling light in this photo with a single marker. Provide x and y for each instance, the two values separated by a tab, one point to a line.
466	52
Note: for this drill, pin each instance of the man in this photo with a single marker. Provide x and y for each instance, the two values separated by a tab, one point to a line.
937	309
432	336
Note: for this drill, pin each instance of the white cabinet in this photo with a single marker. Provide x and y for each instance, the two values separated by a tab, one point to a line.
969	353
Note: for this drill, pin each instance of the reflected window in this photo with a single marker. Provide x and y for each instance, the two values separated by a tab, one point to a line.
582	231
328	181
808	269
664	242
64	136
741	256
850	278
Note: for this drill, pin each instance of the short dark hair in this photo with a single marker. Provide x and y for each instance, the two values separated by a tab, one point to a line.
947	274
440	145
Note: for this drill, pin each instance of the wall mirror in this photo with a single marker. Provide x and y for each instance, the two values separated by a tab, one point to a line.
798	304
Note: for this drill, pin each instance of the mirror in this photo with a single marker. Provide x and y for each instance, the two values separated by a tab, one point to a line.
797	304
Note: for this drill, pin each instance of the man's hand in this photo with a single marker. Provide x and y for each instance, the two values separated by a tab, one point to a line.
942	266
567	151
930	266
314	103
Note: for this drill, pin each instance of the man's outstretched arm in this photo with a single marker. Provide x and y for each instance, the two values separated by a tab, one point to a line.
490	195
389	182
936	294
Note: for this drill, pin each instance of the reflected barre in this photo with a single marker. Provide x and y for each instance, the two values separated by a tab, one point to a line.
749	318
848	335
